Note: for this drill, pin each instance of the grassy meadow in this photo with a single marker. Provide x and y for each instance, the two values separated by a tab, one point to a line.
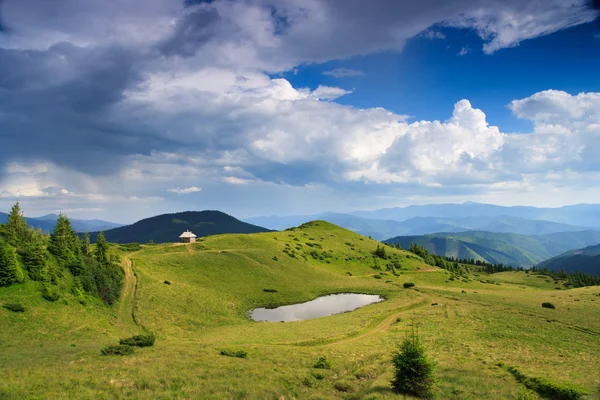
195	298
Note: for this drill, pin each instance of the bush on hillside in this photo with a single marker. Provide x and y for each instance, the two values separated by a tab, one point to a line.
49	294
548	305
323	363
130	246
413	373
120	350
139	340
234	353
14	307
270	290
408	285
547	388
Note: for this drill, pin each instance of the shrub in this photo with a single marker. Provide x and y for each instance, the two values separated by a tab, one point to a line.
344	386
547	388
167	282
408	285
323	363
120	350
377	276
234	353
548	305
270	290
130	246
14	307
413	373
48	294
139	340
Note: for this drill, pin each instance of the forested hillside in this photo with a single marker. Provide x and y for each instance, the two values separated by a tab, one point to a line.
62	263
167	227
585	260
500	248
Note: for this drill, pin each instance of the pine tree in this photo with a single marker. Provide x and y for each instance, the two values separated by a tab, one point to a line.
101	252
64	243
35	258
16	227
10	272
413	370
85	247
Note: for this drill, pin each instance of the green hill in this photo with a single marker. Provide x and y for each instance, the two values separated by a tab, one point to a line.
585	260
196	298
500	248
166	228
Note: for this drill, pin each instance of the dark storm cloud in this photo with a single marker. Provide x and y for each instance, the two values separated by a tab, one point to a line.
191	32
58	104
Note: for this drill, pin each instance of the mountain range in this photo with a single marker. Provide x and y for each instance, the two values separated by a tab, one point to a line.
46	223
500	248
385	228
167	227
583	260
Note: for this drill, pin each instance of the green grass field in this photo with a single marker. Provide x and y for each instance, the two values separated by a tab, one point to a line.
52	351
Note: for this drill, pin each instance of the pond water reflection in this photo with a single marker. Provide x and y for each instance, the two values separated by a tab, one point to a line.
319	307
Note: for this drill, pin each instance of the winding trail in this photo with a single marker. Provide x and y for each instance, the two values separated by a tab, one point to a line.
386	323
125	316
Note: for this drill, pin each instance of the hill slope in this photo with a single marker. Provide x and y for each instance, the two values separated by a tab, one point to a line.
500	248
167	227
53	349
582	260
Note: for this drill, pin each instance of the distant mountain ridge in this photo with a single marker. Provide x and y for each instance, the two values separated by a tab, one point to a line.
382	228
583	260
500	248
587	215
46	223
167	227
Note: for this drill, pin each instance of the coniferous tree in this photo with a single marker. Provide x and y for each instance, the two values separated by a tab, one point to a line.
85	246
101	252
16	228
413	370
10	271
35	259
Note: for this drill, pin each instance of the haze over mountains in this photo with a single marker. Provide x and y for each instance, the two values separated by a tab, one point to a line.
420	220
46	223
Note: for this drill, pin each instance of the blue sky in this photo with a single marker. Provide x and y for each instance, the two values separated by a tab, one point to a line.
125	109
428	76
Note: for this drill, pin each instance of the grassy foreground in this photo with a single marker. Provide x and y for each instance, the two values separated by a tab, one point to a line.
469	326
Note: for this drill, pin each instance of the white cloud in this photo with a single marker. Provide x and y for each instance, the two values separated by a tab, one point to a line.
191	189
464	51
432	35
343	72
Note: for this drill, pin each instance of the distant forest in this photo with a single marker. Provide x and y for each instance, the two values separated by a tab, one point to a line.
574	279
60	261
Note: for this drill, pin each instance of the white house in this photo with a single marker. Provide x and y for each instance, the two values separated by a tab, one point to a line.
187	237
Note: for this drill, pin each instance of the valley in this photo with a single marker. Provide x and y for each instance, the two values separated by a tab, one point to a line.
196	297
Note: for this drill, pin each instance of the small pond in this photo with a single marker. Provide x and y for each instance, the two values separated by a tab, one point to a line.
319	307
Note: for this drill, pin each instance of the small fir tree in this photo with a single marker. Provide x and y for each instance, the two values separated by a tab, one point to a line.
413	373
10	271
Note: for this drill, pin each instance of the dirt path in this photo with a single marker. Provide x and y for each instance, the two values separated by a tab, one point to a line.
125	312
386	323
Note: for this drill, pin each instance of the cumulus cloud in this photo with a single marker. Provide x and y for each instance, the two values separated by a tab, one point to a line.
343	72
120	103
191	189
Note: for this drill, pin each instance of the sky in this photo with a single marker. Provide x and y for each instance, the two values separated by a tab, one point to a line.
125	109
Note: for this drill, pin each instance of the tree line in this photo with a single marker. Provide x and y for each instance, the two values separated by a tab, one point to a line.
59	256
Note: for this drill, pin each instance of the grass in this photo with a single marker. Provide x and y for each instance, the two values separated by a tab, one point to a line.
216	281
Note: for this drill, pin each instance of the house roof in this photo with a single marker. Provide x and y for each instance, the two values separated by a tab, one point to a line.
187	234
